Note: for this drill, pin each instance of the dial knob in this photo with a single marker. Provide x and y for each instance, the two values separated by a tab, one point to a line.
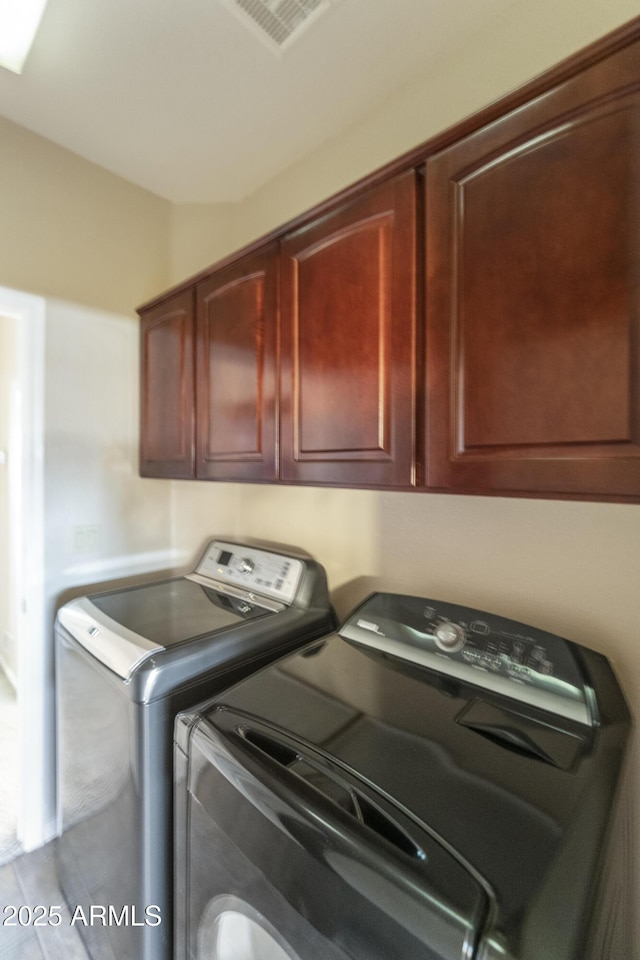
450	636
246	565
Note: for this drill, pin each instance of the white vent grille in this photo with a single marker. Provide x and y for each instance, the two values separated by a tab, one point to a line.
278	22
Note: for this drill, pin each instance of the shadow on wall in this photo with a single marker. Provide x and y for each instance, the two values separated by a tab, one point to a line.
349	595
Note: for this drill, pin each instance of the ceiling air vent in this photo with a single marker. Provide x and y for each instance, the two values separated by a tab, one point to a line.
278	22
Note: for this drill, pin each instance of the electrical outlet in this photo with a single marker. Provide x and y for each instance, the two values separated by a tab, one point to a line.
85	538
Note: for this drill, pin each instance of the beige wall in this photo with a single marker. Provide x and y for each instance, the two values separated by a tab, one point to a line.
77	231
200	235
102	520
572	568
516	46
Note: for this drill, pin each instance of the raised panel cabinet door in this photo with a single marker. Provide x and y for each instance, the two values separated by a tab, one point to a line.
167	389
236	371
533	297
348	342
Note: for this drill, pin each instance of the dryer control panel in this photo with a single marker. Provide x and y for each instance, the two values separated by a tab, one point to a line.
504	656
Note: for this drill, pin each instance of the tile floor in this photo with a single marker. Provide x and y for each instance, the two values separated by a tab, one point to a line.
30	880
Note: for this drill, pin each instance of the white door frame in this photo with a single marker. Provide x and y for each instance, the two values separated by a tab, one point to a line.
26	493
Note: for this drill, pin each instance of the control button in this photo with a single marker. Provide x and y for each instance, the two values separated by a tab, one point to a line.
246	565
450	636
539	653
479	626
546	667
491	663
519	673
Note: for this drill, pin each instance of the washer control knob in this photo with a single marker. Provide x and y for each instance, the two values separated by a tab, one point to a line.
246	565
450	636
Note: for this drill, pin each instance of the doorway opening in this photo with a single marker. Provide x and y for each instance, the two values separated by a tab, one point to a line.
23	684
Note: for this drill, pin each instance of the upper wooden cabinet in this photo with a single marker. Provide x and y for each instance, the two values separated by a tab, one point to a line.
236	370
348	294
167	394
533	300
484	341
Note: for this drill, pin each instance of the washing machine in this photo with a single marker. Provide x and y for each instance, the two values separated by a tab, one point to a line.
127	661
434	784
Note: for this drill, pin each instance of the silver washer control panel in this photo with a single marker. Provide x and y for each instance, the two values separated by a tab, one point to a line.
500	655
250	569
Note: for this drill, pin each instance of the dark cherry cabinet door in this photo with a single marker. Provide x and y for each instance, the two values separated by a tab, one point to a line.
167	388
236	371
533	295
348	294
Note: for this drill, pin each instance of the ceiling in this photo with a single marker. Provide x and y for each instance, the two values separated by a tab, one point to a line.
183	99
